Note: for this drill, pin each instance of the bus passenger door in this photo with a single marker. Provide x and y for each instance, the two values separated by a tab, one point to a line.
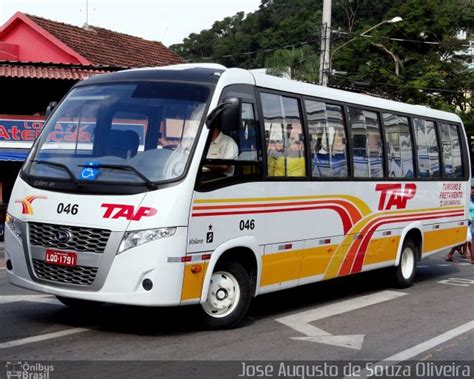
230	167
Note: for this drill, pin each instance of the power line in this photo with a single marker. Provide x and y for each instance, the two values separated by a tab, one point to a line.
430	89
452	43
269	50
440	43
299	44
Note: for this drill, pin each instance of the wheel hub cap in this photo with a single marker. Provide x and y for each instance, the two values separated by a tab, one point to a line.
223	296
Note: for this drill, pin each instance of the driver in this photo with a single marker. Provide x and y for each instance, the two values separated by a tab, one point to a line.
222	147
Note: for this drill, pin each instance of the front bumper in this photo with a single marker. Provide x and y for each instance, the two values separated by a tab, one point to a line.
121	282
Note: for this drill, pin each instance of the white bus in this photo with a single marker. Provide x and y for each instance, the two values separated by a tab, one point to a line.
197	184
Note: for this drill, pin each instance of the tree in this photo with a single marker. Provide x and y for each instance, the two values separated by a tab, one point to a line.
296	63
394	61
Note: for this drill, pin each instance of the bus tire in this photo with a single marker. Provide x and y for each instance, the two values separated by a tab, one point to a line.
404	274
78	304
228	298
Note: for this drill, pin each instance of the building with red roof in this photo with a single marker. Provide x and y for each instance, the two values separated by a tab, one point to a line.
41	59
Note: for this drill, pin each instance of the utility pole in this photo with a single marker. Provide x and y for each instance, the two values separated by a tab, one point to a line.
325	62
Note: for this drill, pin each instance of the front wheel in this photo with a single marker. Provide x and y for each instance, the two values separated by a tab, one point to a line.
228	298
404	273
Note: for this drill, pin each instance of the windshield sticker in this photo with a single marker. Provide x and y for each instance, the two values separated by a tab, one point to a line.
26	203
128	212
90	172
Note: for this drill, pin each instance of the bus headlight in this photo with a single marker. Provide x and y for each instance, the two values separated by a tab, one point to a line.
139	237
14	224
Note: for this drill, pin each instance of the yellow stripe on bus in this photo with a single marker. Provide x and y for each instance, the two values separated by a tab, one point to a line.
292	265
438	239
192	282
281	267
316	260
382	250
343	249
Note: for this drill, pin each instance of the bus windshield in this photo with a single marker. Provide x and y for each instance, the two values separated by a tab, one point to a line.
126	133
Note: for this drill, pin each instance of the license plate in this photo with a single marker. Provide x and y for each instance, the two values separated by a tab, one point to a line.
60	258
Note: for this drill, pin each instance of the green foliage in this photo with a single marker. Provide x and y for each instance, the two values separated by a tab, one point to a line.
284	36
299	63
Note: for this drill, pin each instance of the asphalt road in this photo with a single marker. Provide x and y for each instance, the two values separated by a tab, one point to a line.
353	320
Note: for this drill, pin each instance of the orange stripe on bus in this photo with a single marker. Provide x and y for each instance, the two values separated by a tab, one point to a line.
357	249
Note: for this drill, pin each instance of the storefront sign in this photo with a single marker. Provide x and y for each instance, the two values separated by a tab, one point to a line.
19	131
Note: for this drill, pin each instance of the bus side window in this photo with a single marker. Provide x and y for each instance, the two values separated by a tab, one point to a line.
237	153
247	136
284	136
427	146
327	139
399	146
451	149
367	153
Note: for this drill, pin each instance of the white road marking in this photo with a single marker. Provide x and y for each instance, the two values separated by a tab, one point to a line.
461	282
433	342
43	337
422	266
422	347
46	299
444	264
301	321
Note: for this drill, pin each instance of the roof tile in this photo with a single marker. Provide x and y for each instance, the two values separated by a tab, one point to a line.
106	47
23	70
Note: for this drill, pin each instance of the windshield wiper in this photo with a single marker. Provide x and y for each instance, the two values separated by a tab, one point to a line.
60	165
148	182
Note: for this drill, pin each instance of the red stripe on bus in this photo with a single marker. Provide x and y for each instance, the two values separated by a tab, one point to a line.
352	210
343	214
353	251
359	257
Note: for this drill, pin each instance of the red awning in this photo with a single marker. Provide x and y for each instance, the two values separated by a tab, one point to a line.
71	73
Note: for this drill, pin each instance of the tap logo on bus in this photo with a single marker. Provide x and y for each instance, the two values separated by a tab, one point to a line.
27	203
395	195
128	212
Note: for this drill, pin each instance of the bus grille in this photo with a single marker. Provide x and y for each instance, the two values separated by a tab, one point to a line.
79	275
82	239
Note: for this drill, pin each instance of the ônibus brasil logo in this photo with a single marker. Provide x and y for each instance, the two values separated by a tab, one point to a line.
27	202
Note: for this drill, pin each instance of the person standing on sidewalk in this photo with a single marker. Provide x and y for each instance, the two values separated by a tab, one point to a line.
466	249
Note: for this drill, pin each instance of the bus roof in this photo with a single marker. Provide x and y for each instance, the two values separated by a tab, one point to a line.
184	72
211	73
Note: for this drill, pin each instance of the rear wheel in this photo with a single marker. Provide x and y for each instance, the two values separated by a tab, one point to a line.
78	304
404	273
228	298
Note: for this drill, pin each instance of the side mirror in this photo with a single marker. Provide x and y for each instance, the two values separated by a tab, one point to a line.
227	116
50	108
